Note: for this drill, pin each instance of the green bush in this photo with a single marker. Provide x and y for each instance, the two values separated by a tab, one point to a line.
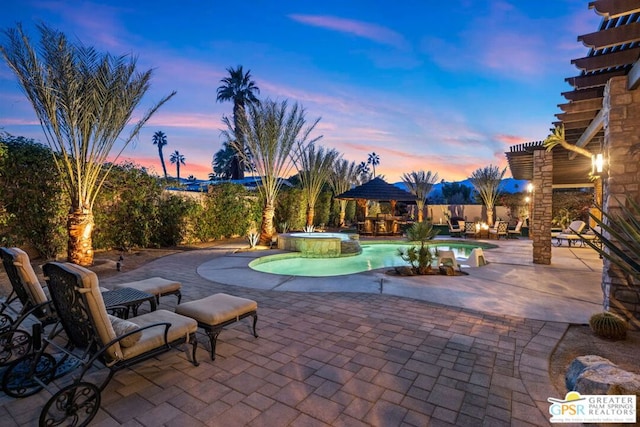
231	211
33	203
291	207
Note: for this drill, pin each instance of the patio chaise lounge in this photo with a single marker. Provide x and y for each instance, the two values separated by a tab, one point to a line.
516	231
455	229
571	234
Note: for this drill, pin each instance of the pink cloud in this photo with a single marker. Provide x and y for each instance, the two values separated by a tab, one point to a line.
511	139
376	33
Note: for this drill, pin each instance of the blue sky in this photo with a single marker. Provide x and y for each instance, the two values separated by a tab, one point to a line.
442	86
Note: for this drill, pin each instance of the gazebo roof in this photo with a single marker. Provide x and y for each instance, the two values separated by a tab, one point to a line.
377	189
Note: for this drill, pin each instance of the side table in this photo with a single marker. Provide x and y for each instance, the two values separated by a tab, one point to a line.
130	298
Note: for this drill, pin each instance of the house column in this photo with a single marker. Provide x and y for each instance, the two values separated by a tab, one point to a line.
542	200
621	109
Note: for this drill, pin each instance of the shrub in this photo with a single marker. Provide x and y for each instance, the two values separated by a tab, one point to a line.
33	203
291	208
230	211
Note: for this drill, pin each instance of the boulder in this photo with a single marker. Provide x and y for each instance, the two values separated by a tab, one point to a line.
597	375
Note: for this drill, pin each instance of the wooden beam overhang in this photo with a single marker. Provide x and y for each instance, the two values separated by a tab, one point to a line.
612	36
577	117
576	107
584	94
618	58
610	9
592	80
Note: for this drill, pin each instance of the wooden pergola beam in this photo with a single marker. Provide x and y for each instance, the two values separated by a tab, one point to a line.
610	9
576	117
592	80
608	60
612	36
584	94
579	106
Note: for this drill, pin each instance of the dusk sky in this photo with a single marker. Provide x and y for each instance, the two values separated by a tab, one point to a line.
445	86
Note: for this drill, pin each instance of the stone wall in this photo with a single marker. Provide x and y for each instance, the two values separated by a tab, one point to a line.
540	232
622	132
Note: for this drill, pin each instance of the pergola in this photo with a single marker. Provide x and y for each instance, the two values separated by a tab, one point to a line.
602	115
614	50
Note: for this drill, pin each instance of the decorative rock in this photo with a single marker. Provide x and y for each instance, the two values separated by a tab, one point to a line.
579	364
597	375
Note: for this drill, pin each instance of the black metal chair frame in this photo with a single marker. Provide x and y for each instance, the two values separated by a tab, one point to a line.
78	402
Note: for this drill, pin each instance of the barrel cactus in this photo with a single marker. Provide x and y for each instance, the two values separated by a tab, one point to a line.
608	325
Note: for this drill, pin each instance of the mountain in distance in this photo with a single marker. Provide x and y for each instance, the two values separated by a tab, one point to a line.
509	185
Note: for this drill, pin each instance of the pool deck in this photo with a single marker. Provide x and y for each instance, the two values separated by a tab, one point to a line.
367	349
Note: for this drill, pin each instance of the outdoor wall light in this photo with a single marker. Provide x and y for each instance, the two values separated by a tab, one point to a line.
597	164
530	188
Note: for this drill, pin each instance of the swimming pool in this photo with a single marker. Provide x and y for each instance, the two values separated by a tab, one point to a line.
373	256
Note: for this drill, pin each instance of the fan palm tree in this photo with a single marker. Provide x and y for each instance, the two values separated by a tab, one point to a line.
160	139
364	173
177	159
239	88
487	182
83	100
314	168
344	175
271	131
373	160
223	161
420	184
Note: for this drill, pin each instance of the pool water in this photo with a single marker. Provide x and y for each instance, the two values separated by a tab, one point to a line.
372	257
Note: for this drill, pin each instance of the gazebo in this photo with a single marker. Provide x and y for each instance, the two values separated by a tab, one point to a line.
379	190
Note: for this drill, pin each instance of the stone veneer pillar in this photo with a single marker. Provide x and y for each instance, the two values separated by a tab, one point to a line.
542	200
622	131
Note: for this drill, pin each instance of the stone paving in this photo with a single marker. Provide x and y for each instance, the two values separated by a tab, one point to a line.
331	359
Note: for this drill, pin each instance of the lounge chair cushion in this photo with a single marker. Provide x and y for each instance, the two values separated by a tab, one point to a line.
121	327
28	276
153	285
216	309
181	327
98	312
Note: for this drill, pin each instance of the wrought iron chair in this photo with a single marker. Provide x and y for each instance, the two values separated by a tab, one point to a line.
15	340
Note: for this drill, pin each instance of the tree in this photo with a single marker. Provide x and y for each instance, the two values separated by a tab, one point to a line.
487	182
373	160
177	159
160	139
239	88
271	131
83	100
223	162
314	167
343	176
364	173
420	184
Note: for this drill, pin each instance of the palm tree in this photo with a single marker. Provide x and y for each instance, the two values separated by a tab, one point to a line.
239	88
344	175
364	174
83	100
420	184
223	162
373	160
314	167
271	132
487	182
160	139
177	159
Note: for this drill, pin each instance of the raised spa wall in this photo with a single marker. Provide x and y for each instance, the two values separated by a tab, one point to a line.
320	245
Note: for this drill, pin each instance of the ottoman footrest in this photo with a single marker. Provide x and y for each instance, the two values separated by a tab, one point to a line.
157	286
215	312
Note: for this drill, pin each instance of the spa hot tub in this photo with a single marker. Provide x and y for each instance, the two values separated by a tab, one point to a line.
320	245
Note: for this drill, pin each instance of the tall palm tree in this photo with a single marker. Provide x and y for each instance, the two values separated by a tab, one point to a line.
487	182
177	159
83	100
344	175
239	88
373	160
160	139
314	167
364	173
420	184
271	131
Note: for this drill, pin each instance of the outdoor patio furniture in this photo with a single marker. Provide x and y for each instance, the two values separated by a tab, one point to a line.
94	336
157	286
470	229
454	230
499	229
476	258
571	234
512	234
215	312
